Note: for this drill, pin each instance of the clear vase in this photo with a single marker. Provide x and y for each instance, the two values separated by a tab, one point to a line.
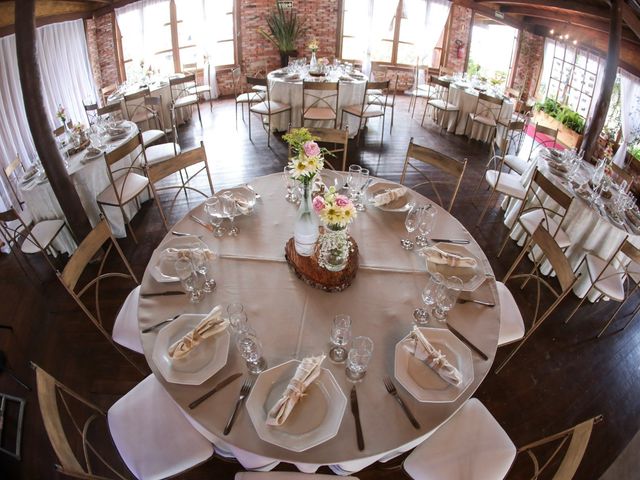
334	248
313	64
305	231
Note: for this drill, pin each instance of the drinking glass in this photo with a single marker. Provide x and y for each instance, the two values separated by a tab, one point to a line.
410	223
426	222
214	209
340	337
446	297
290	182
363	181
230	209
237	317
359	357
428	294
202	261
353	180
190	279
250	349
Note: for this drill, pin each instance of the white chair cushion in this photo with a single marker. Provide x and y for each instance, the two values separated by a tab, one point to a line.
379	100
186	100
133	185
250	97
515	163
320	113
43	232
511	323
162	152
259	88
490	122
262	108
150	136
284	476
141	115
507	183
611	283
470	445
442	105
532	219
125	328
153	438
199	89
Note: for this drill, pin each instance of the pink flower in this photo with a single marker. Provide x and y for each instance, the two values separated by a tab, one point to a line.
318	203
311	149
342	201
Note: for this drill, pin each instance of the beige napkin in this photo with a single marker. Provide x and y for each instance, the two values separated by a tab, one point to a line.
308	370
424	351
440	257
389	196
243	205
173	254
211	325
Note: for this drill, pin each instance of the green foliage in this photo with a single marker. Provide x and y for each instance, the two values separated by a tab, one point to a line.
570	119
634	150
297	137
284	29
473	68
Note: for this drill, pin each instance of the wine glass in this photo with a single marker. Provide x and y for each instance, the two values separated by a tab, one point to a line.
202	261
359	357
237	317
340	337
363	181
250	349
410	223
290	182
190	279
446	297
353	180
230	209
428	295
214	209
426	222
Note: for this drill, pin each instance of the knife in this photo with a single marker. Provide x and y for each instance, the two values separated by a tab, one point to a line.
451	240
464	340
356	414
215	389
161	294
201	222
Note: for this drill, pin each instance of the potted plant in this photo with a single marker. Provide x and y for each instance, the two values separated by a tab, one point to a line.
284	31
570	124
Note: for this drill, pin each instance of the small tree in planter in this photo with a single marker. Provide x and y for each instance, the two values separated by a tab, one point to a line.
284	31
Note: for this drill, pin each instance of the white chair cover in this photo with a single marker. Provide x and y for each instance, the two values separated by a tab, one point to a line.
283	476
125	329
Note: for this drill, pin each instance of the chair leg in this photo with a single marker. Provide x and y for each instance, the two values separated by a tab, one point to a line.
633	315
268	130
577	306
393	109
236	115
486	206
199	116
504	242
249	115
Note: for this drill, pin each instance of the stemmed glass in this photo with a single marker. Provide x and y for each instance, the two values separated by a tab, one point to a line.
363	181
237	317
446	297
353	181
428	294
230	209
426	222
190	279
359	357
340	337
214	209
290	182
250	349
202	263
410	223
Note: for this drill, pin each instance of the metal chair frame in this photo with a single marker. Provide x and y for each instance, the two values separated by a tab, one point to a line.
320	101
369	109
179	88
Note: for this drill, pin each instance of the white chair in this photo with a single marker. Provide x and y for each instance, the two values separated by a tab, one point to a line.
470	445
548	139
125	328
164	151
511	322
154	105
284	476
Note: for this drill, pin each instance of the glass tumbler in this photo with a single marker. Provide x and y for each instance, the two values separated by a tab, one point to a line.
250	349
190	279
446	297
340	337
359	357
428	294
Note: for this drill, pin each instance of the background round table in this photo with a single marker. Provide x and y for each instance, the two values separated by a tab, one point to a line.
293	321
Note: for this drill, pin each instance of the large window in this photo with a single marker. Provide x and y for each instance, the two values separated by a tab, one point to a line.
163	36
492	51
396	32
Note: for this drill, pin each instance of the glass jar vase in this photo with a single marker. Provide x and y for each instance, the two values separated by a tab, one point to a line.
334	248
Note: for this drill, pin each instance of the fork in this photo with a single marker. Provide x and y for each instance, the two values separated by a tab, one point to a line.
244	391
391	388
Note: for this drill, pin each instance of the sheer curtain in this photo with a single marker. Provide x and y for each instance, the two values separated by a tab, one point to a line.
630	113
427	19
67	79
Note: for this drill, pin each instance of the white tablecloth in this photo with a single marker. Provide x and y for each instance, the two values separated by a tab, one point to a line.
290	93
89	178
293	320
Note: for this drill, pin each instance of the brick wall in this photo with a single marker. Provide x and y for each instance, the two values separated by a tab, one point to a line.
529	62
102	49
461	31
92	48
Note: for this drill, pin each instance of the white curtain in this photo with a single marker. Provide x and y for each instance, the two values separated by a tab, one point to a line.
64	66
204	18
428	18
630	113
547	63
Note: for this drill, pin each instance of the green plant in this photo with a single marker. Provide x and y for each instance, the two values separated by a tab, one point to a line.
548	106
634	150
570	119
473	68
284	29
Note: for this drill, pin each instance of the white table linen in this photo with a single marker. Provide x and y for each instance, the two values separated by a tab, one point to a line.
293	321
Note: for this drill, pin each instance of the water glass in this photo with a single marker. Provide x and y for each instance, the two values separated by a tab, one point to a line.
290	182
340	337
410	223
215	213
353	180
250	349
230	208
426	222
190	279
237	317
446	297
359	357
363	181
202	263
428	295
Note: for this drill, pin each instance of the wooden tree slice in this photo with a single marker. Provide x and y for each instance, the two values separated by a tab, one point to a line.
310	272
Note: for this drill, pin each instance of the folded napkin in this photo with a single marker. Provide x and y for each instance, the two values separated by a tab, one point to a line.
308	370
434	358
389	196
244	206
440	257
174	254
211	325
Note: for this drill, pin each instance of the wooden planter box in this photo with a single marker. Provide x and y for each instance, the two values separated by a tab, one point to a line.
566	136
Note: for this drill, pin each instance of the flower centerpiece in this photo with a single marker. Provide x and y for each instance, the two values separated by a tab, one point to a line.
336	213
306	162
313	46
62	115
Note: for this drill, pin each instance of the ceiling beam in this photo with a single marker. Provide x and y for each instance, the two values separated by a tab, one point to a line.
631	19
567	18
533	10
487	11
582	32
567	5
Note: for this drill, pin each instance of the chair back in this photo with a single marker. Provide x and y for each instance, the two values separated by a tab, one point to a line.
631	251
53	398
11	176
91	111
236	79
438	89
108	90
159	171
577	437
446	71
13	228
131	147
448	165
258	68
513	93
335	141
375	98
179	87
260	82
110	109
190	67
357	64
489	107
547	139
153	105
135	106
320	95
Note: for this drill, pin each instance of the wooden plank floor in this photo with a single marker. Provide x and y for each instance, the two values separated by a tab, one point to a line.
562	376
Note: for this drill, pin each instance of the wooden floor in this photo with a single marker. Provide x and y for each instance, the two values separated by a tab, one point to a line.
562	376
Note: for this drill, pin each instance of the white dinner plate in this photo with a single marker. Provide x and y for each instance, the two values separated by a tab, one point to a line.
204	361
471	278
316	417
422	381
242	193
164	271
398	205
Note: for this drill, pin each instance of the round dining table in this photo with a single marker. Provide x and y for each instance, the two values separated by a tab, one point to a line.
293	321
285	90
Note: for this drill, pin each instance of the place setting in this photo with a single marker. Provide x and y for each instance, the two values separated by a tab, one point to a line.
227	204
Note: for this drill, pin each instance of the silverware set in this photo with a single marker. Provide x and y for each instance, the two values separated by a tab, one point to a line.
464	340
244	392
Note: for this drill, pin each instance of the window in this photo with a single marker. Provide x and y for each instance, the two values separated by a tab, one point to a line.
492	50
396	32
572	77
